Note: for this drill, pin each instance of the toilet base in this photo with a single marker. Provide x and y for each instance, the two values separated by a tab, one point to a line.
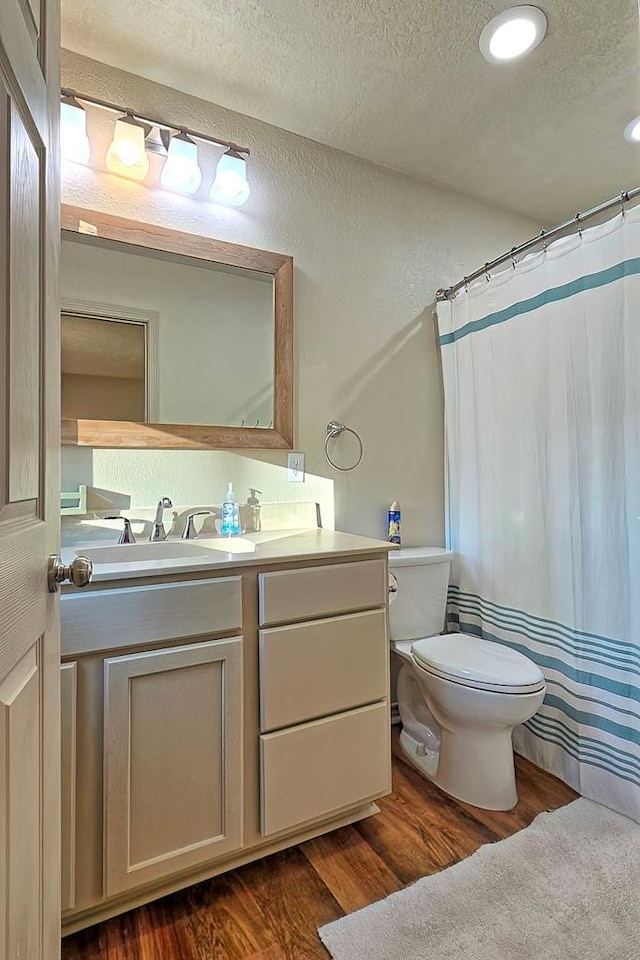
424	760
479	771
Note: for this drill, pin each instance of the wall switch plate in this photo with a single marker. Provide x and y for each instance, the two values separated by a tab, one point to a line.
295	467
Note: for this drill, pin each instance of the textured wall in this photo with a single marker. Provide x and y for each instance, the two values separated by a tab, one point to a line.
371	247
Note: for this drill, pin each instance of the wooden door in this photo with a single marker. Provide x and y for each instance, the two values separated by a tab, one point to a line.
172	760
29	486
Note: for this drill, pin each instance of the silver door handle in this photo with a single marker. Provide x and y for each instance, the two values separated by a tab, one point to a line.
79	572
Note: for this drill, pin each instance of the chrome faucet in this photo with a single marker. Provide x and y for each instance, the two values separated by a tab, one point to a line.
158	531
127	533
189	532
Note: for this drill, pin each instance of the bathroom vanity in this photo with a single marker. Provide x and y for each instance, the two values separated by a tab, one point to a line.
217	708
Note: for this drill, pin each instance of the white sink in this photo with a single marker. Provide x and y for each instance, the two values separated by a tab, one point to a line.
165	550
136	552
229	544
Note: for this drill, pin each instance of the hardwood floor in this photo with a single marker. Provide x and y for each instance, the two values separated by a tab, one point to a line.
270	910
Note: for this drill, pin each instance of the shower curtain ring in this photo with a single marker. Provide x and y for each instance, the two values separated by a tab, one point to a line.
514	262
579	222
486	272
466	284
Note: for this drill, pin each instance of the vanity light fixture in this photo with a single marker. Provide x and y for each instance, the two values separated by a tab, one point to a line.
181	171
74	142
156	142
136	136
230	183
632	131
512	33
127	155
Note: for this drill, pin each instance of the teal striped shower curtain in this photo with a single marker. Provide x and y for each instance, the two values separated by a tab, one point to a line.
542	405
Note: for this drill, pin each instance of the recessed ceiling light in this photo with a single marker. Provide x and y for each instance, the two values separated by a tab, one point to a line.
513	33
632	131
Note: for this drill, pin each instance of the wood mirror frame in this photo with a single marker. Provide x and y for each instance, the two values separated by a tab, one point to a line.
164	436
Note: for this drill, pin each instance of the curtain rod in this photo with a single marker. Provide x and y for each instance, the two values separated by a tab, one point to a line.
627	196
107	105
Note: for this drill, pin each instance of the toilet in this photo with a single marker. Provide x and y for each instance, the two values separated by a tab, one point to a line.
459	696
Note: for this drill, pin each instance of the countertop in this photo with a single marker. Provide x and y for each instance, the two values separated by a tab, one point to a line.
271	547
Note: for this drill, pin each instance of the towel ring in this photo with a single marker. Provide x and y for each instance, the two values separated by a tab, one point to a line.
334	429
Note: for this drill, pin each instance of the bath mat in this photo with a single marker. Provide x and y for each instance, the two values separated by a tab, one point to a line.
565	888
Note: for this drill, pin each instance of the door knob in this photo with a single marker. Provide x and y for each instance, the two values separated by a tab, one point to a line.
79	572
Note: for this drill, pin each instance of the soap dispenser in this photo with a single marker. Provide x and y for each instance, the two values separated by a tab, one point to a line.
253	510
230	517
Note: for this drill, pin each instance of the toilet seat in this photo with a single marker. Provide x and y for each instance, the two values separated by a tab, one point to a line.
477	663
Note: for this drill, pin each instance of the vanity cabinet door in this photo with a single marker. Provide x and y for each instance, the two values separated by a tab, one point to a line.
68	726
172	760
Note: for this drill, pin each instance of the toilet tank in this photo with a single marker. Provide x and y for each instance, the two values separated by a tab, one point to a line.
418	605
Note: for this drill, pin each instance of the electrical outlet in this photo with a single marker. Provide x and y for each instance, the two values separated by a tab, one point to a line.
295	467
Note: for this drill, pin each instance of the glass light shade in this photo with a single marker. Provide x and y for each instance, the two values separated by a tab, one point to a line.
230	184
632	131
74	142
181	171
127	155
512	33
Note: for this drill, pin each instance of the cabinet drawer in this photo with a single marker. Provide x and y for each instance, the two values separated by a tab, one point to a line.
311	771
320	591
311	669
126	616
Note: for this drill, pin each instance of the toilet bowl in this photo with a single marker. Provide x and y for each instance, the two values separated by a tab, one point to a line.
459	696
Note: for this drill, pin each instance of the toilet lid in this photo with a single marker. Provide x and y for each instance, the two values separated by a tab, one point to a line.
479	663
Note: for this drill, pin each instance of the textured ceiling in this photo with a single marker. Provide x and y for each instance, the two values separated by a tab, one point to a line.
402	83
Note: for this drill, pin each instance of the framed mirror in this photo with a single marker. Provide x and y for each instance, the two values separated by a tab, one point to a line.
171	340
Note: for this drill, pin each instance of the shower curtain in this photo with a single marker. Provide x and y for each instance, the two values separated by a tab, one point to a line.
541	369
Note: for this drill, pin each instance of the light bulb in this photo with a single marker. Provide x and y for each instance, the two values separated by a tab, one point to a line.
230	183
512	33
127	155
74	142
512	39
181	171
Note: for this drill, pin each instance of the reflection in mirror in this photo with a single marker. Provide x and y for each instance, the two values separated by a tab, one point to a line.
104	368
199	351
216	319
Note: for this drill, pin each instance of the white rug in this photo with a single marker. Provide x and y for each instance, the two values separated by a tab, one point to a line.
565	888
